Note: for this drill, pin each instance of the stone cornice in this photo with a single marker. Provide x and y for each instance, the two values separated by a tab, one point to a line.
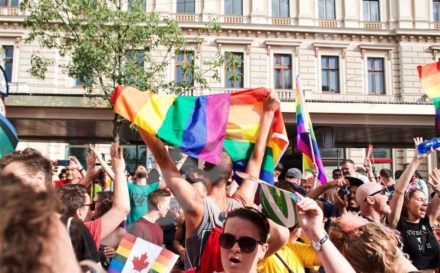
365	47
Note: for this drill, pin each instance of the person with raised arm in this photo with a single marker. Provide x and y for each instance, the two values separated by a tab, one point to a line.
412	216
206	213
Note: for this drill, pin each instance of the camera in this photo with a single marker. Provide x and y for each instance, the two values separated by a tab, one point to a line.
344	191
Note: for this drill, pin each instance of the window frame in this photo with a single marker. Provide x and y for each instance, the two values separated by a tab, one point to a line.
433	11
10	60
326	17
185	3
374	71
227	80
369	11
8	4
328	69
282	69
179	63
233	11
279	9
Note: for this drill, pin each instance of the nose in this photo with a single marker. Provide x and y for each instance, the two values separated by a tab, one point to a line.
236	248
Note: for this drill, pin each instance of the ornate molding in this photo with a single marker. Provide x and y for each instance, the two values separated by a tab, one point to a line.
246	42
388	48
341	46
435	50
279	43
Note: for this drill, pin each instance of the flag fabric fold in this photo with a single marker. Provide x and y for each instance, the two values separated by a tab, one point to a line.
305	136
8	136
429	76
201	126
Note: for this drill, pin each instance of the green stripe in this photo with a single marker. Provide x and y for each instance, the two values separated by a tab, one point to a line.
176	119
280	200
242	150
6	146
436	102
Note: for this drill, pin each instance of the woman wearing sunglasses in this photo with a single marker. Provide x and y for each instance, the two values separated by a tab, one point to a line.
412	216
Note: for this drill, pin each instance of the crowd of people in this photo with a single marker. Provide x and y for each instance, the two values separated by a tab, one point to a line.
359	221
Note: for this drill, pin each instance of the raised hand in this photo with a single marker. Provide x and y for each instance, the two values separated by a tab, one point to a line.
435	183
118	162
74	162
311	218
271	102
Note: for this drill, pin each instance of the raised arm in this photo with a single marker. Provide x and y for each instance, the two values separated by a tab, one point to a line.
185	194
278	237
107	169
247	190
434	205
315	193
311	222
369	168
400	187
121	200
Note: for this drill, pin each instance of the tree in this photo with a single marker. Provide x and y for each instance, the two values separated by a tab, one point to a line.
112	42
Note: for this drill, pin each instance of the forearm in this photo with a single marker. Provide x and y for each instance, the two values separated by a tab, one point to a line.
107	169
278	237
434	207
315	193
121	199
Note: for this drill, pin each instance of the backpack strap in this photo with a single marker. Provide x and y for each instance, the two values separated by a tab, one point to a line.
284	263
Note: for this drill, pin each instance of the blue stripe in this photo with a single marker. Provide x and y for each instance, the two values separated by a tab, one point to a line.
195	133
116	265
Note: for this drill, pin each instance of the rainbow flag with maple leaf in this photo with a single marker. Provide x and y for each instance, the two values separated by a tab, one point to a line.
135	255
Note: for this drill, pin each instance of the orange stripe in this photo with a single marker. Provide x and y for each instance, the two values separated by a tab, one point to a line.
428	70
130	102
430	81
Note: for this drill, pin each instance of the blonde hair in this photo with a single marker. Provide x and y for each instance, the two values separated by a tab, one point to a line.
369	247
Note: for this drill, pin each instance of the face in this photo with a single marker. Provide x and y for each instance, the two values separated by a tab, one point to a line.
70	173
307	185
352	204
234	260
417	205
19	170
84	211
380	197
348	169
336	175
164	206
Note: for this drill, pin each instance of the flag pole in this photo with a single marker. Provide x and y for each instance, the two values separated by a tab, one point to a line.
312	149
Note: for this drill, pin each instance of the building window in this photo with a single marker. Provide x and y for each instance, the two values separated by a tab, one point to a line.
135	60
184	61
234	7
326	9
330	74
234	70
8	61
376	76
186	6
371	10
436	10
282	71
9	3
280	8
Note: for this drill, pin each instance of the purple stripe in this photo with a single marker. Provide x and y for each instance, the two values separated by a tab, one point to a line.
217	113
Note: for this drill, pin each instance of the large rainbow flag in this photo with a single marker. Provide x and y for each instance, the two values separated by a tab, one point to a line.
136	255
201	126
8	135
305	136
430	80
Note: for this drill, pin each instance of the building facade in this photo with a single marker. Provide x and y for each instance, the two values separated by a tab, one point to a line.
356	59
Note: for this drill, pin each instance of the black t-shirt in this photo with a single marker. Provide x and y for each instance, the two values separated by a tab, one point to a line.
82	241
420	243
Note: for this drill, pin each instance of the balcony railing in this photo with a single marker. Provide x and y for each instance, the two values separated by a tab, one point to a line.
282	21
329	23
186	17
373	25
11	11
233	19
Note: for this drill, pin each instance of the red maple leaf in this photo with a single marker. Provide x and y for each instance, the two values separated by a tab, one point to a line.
140	263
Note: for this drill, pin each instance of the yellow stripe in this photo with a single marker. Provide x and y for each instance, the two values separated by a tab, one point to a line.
158	267
153	113
433	92
123	251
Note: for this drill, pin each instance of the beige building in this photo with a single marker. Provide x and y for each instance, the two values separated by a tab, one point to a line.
357	61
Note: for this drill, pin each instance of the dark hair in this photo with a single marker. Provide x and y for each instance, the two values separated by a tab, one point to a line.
347	161
254	216
397	174
386	173
105	200
336	170
63	171
72	197
194	175
26	226
32	160
279	167
220	172
155	197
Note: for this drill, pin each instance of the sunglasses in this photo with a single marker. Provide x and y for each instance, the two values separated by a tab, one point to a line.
245	243
91	205
383	191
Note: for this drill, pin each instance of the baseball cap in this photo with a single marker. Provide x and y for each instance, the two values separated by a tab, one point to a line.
354	181
365	190
294	173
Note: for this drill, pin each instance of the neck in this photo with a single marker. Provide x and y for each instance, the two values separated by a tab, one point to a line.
372	215
141	181
218	194
390	182
412	219
152	216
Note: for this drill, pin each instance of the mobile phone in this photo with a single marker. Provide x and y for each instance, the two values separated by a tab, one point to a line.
63	162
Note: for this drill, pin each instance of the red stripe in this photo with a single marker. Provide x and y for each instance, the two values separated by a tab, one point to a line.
117	93
428	70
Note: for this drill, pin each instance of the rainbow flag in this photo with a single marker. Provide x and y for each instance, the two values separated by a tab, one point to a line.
430	80
136	255
8	136
201	126
305	136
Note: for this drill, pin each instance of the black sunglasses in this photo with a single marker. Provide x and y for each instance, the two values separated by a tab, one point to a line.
382	191
246	244
91	205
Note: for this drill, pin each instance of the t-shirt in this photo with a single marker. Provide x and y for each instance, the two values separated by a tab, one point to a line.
419	243
296	255
139	200
82	241
146	230
62	182
95	230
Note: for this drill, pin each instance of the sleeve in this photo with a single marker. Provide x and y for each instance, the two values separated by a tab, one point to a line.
153	187
307	254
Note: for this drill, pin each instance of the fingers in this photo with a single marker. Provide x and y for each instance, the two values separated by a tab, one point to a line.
307	205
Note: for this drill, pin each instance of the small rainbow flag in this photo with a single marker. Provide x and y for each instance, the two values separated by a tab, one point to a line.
305	136
430	80
135	255
203	125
